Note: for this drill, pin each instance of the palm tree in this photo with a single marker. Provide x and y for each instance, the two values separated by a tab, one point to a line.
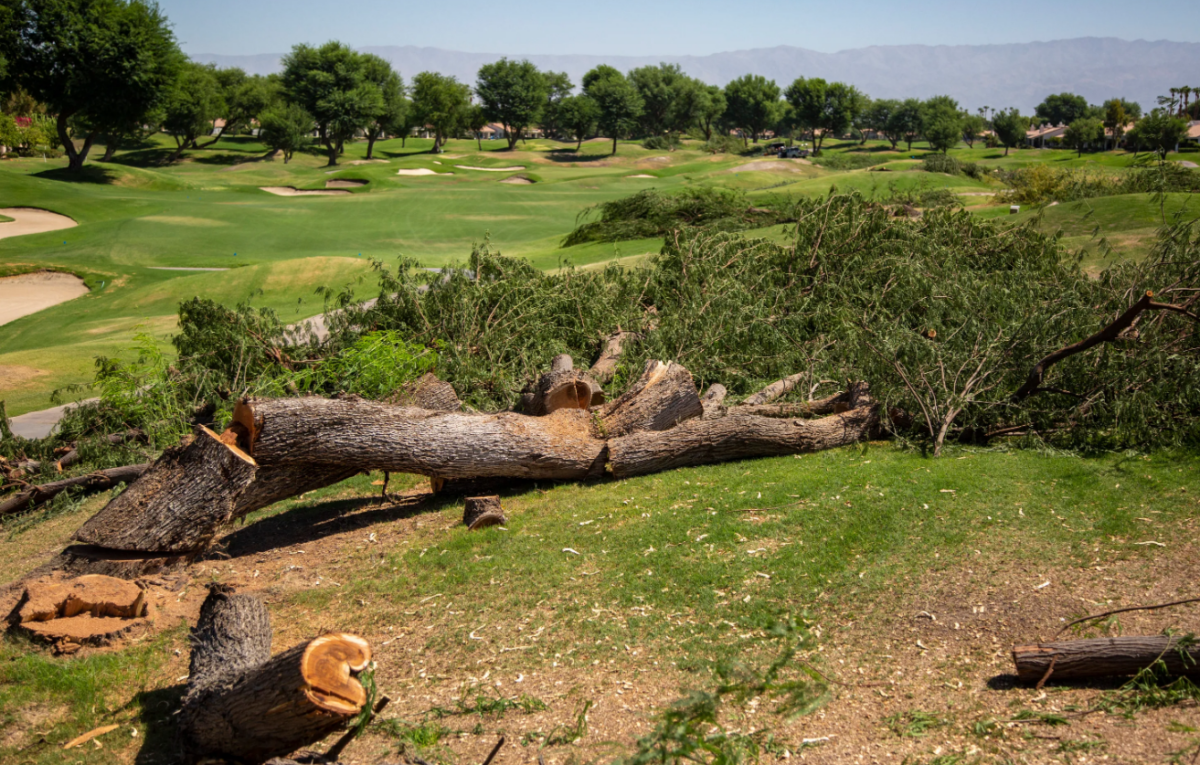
1186	92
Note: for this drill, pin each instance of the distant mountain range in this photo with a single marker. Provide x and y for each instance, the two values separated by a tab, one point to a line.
1019	74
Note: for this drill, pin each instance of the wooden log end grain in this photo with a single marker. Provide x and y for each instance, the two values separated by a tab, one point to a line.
328	665
86	610
481	512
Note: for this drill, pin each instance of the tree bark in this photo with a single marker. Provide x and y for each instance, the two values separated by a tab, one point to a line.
479	512
734	437
1104	657
713	401
775	390
561	388
664	395
178	504
244	706
35	496
428	392
371	436
606	366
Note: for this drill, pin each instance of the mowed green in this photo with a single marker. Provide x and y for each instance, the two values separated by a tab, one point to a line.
139	217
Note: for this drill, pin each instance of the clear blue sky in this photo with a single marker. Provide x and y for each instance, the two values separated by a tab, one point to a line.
664	27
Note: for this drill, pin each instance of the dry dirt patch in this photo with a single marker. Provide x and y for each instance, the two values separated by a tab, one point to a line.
13	375
777	164
30	293
31	220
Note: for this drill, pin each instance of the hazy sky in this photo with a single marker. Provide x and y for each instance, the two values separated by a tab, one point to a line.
665	27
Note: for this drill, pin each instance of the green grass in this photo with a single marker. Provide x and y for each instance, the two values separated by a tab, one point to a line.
5	219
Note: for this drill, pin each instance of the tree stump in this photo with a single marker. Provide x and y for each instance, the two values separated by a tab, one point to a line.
481	512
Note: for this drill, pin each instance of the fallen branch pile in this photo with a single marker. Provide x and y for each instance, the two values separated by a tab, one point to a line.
279	448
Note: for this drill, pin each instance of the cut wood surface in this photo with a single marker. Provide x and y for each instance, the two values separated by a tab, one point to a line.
372	436
88	610
563	387
1104	657
178	504
663	396
35	496
247	707
428	392
735	437
479	512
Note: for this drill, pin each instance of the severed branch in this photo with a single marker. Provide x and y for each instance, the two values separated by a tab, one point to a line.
775	390
1155	607
1110	333
35	496
606	366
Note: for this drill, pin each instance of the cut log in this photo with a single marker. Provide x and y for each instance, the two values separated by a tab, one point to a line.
481	512
835	404
563	387
664	396
372	436
713	401
735	437
428	392
775	390
178	504
246	707
606	366
35	496
1104	657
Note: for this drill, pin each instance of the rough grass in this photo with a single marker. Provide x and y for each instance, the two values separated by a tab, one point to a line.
647	582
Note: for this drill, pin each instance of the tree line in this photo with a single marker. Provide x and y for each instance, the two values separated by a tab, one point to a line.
111	71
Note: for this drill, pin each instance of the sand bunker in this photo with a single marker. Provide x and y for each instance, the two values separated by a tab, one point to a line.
31	220
492	169
292	191
518	180
344	183
778	164
641	175
420	171
30	293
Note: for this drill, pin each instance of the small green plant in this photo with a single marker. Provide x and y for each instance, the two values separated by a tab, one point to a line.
913	723
489	703
425	735
569	734
940	163
1046	718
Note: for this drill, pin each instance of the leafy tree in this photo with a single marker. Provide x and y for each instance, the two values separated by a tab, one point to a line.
691	96
331	84
107	62
1062	109
1084	133
191	106
617	100
941	123
512	93
905	121
558	87
973	126
229	80
862	120
10	137
286	128
879	119
393	104
1010	128
828	107
476	120
441	102
1115	119
1159	131
661	88
710	107
577	117
752	104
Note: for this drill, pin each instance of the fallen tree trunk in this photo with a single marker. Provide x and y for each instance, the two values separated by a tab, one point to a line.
606	366
35	496
775	390
371	436
178	503
713	401
835	404
734	437
1104	657
243	705
428	392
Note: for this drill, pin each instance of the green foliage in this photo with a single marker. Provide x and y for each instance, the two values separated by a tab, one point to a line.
722	144
1159	132
651	213
661	142
1062	109
752	104
696	728
824	108
923	197
617	102
940	163
844	160
1035	184
1011	128
913	723
577	117
441	101
331	83
1084	133
906	121
973	126
191	105
106	62
512	93
942	123
287	129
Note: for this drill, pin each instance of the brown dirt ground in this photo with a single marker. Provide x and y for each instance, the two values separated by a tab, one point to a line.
938	644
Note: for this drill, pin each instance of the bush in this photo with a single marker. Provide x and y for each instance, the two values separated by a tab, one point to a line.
923	197
723	144
973	170
667	142
847	160
940	163
651	213
1040	183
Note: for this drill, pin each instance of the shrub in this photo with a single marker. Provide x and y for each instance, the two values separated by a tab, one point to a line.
1041	183
940	163
723	144
847	160
667	142
973	170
